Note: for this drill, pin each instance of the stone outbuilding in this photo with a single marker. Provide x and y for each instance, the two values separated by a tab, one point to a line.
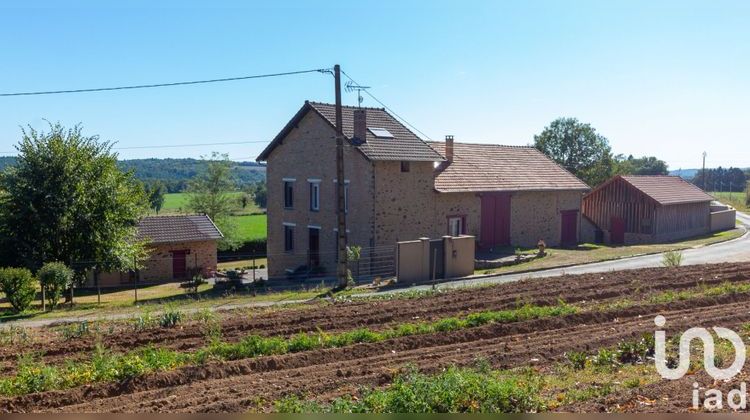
399	188
180	246
647	209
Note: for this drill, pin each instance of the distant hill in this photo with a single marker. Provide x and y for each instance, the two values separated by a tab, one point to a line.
175	173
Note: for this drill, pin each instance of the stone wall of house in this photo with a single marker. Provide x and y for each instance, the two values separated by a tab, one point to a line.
536	215
309	152
158	267
405	204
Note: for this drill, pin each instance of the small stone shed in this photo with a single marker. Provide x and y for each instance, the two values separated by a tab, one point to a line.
648	209
180	246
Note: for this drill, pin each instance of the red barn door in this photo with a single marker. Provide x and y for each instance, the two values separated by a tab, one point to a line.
569	228
617	231
495	223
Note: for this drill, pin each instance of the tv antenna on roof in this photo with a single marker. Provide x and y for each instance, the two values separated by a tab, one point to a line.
351	87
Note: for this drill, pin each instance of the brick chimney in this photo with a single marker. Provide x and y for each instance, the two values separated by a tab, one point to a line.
360	125
449	148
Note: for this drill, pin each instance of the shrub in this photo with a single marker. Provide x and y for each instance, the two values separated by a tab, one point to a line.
54	278
19	286
672	259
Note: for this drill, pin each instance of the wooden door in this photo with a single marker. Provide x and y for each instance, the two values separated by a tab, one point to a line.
569	228
179	264
617	230
314	247
495	223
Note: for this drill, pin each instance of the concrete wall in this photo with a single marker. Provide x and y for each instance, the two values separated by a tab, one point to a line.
158	268
723	220
536	215
459	256
309	151
413	258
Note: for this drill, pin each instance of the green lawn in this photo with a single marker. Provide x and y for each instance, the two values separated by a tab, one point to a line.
736	200
252	226
176	203
251	222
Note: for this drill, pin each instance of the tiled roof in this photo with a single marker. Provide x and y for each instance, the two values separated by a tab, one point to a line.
167	229
404	145
492	167
667	190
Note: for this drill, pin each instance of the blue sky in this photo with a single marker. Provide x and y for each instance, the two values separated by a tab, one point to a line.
664	78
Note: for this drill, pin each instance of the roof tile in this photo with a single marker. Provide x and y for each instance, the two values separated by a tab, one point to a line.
169	229
492	167
666	189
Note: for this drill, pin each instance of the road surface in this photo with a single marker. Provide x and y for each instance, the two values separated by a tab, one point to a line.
735	250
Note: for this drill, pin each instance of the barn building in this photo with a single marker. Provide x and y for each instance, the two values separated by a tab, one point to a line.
648	209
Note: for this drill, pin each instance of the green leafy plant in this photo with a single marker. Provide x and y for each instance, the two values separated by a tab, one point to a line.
452	391
576	359
54	278
76	330
672	259
19	286
170	318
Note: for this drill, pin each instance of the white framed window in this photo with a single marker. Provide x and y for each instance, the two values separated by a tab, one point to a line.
455	225
314	195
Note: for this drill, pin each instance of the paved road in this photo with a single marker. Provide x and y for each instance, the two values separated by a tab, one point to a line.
735	250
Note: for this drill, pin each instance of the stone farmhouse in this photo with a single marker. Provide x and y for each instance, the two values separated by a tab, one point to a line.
179	247
399	187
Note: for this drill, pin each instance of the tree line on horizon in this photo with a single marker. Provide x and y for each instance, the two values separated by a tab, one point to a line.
174	174
580	149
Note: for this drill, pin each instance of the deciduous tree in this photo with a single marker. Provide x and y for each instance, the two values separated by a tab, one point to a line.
577	147
66	200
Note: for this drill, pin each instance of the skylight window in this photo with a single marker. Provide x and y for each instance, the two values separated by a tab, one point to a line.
380	132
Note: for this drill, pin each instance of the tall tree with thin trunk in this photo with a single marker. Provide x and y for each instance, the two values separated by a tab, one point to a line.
210	194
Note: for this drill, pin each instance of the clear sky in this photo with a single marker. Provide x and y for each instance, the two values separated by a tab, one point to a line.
664	78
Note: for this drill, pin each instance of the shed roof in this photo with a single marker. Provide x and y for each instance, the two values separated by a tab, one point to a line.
666	189
404	145
493	167
184	228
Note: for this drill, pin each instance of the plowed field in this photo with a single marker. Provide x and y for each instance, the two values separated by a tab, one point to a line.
253	384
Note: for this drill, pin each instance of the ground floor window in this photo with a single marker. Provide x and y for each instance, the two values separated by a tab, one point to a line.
288	238
456	225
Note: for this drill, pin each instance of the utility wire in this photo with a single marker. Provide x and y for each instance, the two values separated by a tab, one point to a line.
156	85
189	145
388	108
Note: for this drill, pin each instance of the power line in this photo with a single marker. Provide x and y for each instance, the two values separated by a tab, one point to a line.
156	85
165	146
388	108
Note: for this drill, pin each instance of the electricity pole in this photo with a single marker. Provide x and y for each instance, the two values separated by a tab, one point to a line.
704	171
340	209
